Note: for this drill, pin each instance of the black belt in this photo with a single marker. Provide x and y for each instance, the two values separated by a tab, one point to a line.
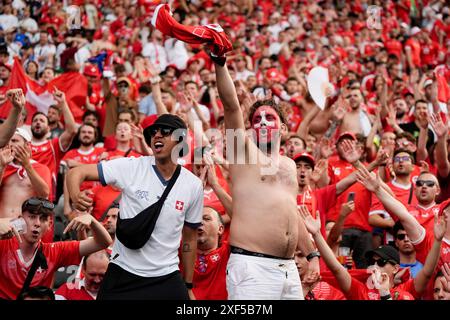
238	250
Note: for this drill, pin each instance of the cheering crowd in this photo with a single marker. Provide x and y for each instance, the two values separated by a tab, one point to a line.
178	151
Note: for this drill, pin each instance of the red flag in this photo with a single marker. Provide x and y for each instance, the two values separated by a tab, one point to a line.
212	34
443	88
40	97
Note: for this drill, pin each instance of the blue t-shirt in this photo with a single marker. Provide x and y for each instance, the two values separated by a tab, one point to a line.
414	268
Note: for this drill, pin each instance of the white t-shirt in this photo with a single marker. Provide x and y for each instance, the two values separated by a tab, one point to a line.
141	186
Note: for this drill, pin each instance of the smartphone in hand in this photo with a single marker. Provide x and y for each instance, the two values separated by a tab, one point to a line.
351	197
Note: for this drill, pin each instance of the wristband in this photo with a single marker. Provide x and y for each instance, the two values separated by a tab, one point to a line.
386	297
312	255
189	285
155	79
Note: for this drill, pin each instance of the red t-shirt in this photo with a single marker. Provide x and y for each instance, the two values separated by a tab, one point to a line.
88	157
415	51
48	153
360	291
425	216
103	197
324	291
359	219
322	199
209	274
117	154
73	293
14	270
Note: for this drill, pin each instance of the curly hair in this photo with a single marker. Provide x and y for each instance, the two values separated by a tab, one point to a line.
281	112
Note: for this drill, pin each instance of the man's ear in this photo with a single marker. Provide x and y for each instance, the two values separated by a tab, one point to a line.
284	130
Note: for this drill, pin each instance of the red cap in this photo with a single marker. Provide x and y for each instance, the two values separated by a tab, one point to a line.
305	156
91	70
443	205
347	134
148	121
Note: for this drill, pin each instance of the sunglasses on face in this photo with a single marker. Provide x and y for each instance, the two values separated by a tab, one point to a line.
428	183
397	159
379	262
401	236
165	132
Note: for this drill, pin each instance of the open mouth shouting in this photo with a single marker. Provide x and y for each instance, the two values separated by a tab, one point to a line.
158	146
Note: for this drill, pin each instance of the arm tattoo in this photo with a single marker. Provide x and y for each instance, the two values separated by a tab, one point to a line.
186	247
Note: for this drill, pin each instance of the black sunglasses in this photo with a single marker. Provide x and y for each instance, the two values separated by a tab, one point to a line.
165	131
35	202
380	262
401	236
428	183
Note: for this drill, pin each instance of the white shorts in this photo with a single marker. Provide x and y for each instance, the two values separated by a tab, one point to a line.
259	278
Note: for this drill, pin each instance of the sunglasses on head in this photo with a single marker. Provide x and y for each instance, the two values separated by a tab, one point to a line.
428	183
34	202
165	131
397	159
380	262
401	236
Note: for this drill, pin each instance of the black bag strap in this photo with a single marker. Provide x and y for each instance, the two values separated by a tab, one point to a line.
39	261
410	194
128	152
171	184
116	200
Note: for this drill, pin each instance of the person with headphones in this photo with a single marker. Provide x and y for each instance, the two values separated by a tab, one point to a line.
161	203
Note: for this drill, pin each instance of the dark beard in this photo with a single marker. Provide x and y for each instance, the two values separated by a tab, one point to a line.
399	115
38	135
86	144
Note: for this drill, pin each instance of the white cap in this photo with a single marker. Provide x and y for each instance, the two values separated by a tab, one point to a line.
23	133
414	31
427	83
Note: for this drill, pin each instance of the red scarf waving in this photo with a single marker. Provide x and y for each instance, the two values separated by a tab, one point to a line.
212	34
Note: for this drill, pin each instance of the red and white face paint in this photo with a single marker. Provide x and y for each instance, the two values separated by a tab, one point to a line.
265	123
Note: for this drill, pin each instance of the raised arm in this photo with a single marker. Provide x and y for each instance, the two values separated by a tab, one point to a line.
70	128
313	226
442	163
372	183
425	274
227	93
7	128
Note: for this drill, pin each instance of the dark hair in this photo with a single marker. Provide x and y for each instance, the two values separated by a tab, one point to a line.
407	135
397	227
129	111
38	113
145	89
169	91
88	125
411	156
419	101
37	292
55	107
88	113
297	137
189	82
270	103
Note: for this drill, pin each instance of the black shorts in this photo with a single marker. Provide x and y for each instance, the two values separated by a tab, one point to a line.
119	284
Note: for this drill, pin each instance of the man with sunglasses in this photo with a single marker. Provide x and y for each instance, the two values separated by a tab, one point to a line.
151	272
18	253
427	243
406	250
403	189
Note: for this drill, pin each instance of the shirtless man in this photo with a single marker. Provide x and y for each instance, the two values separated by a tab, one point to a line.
20	176
265	228
356	120
8	127
321	118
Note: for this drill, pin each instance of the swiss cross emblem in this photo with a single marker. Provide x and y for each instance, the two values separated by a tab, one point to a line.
179	205
215	258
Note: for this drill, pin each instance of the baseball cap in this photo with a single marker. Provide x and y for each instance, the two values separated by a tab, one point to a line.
5	65
414	31
91	70
347	134
148	121
23	133
385	252
124	79
164	120
305	157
